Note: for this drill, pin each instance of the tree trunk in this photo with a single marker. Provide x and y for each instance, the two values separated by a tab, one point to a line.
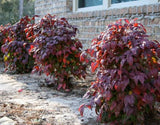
20	9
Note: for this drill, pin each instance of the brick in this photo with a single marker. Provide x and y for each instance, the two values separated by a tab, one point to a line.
115	12
146	22
156	20
134	10
109	12
93	23
103	13
89	14
85	15
158	7
157	29
139	9
123	11
155	8
144	9
141	21
96	13
157	37
130	10
149	29
92	13
86	23
150	8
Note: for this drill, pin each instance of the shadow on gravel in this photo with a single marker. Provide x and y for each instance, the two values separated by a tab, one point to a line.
59	107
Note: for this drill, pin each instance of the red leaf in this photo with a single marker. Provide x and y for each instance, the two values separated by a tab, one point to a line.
26	30
115	87
58	53
36	67
91	52
89	106
127	21
59	86
135	19
73	48
140	103
20	90
81	109
94	66
27	34
152	90
47	74
87	61
64	60
31	47
82	58
119	72
120	27
64	86
136	24
64	65
137	91
99	42
77	55
33	18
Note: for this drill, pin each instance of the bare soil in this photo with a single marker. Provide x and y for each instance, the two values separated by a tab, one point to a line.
25	100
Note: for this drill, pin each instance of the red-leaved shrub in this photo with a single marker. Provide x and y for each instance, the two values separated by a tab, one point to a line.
56	50
128	79
16	47
3	35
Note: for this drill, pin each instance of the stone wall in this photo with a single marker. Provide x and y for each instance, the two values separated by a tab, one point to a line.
90	24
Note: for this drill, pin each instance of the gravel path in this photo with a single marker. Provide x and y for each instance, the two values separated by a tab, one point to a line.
25	102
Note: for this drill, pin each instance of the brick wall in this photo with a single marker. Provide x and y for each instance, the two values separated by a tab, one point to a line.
90	24
56	7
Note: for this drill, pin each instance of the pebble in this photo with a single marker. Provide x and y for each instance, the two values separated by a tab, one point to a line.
7	121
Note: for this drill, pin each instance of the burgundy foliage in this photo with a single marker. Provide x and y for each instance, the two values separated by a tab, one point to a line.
56	50
16	47
127	65
3	34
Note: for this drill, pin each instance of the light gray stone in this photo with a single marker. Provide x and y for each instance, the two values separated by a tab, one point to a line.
7	121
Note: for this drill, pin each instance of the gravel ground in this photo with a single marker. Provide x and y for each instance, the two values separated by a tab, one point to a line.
24	101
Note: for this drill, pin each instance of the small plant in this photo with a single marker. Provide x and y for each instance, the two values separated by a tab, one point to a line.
128	79
16	47
56	50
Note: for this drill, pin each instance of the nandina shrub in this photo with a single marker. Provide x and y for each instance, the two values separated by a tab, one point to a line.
128	80
56	50
16	47
3	35
1	39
